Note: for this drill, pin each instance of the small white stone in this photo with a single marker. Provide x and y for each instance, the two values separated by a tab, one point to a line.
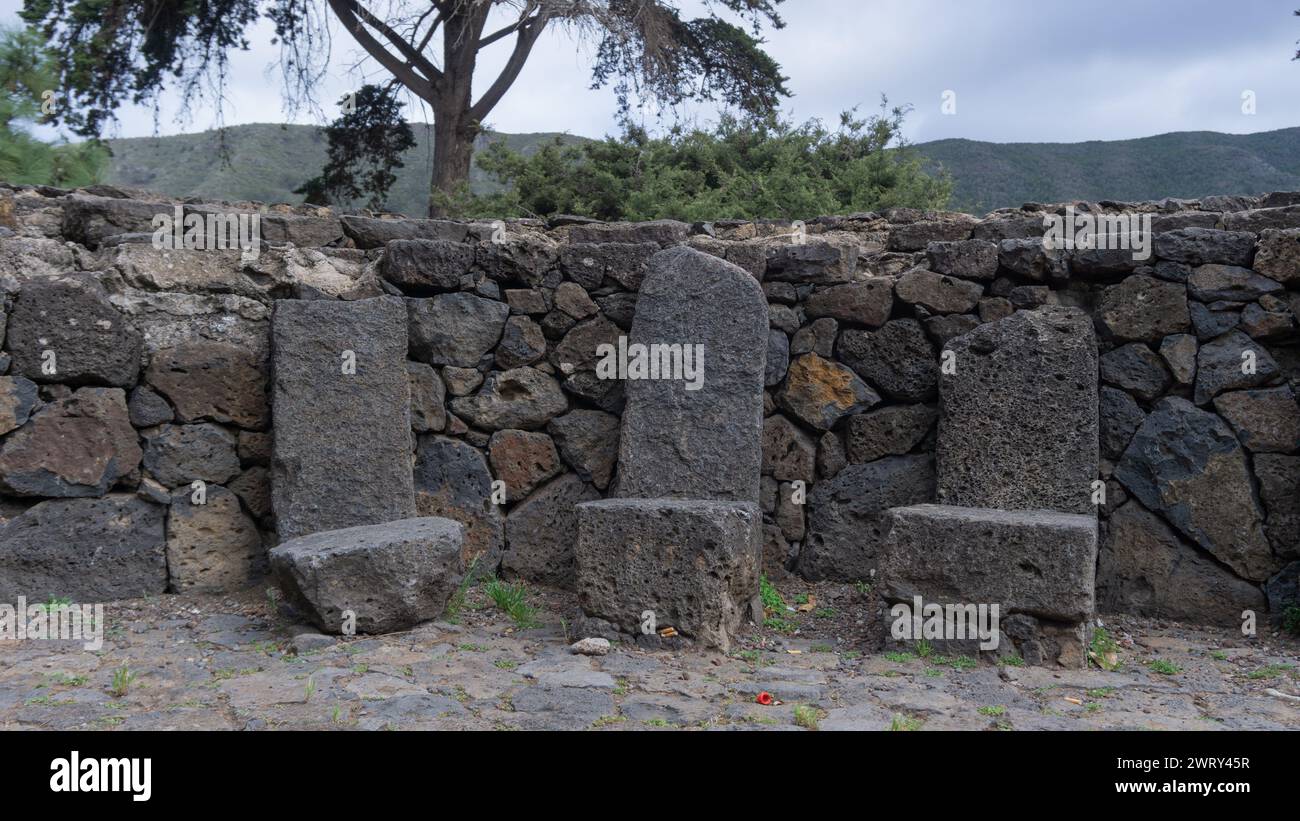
590	647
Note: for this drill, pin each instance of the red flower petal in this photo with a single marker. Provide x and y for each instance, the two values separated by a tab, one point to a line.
764	698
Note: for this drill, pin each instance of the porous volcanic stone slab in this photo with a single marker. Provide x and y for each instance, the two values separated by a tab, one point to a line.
391	576
705	443
1026	561
694	564
1018	424
342	449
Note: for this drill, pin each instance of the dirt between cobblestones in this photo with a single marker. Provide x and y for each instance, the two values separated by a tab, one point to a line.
237	663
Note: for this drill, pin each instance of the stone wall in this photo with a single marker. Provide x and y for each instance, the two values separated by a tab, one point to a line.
160	379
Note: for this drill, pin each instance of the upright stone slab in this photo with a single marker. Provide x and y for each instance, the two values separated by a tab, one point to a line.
684	544
342	449
1018	427
705	443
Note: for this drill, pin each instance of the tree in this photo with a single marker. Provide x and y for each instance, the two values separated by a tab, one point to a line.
26	72
743	168
365	145
113	50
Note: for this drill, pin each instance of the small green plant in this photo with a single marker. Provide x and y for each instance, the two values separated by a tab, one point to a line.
1271	671
310	689
851	655
123	678
1218	655
801	598
470	647
750	656
505	664
899	656
1291	618
620	687
924	649
1100	692
1013	661
771	598
1104	650
863	588
1092	706
55	603
824	613
821	648
933	672
779	624
605	721
456	604
1164	668
66	679
905	724
992	710
808	716
513	599
655	722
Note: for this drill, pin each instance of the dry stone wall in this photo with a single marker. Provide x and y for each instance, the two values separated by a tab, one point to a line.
162	378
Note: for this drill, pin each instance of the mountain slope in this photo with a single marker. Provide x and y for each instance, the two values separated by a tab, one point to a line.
266	162
1181	164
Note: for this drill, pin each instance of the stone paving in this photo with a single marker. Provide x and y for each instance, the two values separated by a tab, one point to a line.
234	662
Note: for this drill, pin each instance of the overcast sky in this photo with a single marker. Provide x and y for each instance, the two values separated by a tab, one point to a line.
1019	70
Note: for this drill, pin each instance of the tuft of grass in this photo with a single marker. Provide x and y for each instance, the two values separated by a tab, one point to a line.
772	599
1164	668
1013	661
924	649
824	613
899	656
1104	650
1271	671
456	604
605	721
123	678
779	624
808	716
1218	655
513	599
821	648
655	722
905	724
992	710
470	647
505	664
1100	692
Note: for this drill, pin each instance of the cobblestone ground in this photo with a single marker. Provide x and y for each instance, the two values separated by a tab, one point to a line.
232	663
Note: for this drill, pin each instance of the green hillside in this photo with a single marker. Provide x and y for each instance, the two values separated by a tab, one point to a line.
1181	164
265	162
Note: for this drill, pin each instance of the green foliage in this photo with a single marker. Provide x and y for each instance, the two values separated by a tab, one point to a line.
366	144
26	74
1164	668
740	169
513	599
808	716
772	599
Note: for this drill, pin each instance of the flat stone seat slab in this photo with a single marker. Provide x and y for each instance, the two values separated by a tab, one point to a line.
392	576
1035	562
694	564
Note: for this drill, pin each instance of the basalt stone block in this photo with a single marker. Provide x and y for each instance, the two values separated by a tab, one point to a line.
865	303
1027	561
588	442
80	445
820	392
1135	368
1019	414
212	547
342	439
697	444
1259	220
916	236
391	576
788	453
660	232
1187	465
778	358
1279	255
17	400
1145	569
1120	417
694	564
523	460
967	259
147	408
523	398
898	359
213	381
1203	246
455	329
368	232
86	550
452	480
523	259
1266	420
1232	361
540	532
818	263
938	293
1143	309
1229	283
428	413
90	220
427	264
178	455
891	431
65	330
846	514
1028	257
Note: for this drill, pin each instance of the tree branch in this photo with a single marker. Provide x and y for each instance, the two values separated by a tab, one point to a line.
529	31
349	10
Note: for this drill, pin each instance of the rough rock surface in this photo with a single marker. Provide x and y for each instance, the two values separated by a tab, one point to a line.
540	532
342	440
1187	465
1019	427
523	398
391	576
81	445
1037	562
116	542
1144	568
701	444
452	480
588	441
454	329
212	547
213	381
845	514
695	564
178	455
897	359
71	318
820	392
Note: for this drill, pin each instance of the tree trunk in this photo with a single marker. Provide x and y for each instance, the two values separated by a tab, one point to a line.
453	148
